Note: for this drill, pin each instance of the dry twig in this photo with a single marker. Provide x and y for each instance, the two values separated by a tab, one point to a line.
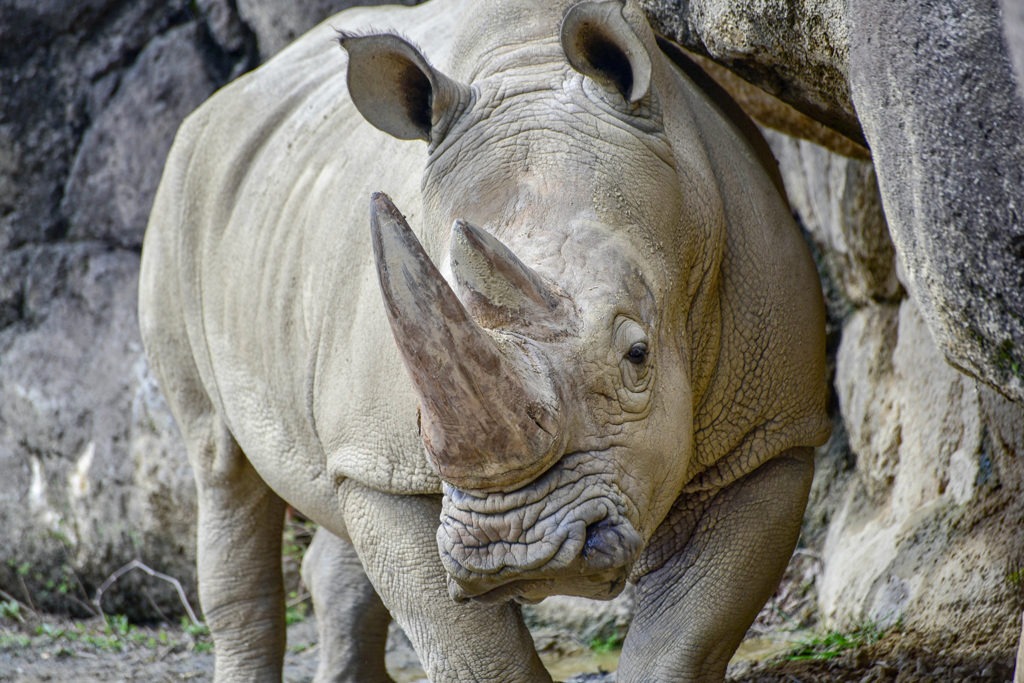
137	564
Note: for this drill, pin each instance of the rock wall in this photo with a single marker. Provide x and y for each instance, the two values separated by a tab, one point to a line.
924	525
93	473
945	130
794	49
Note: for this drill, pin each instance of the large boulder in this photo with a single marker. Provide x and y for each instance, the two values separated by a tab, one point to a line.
928	534
797	51
924	530
936	95
1013	29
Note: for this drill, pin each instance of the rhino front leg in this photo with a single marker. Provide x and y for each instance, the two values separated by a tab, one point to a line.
352	622
395	538
239	557
693	610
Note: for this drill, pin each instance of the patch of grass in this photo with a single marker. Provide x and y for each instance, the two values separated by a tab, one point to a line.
199	634
14	641
1014	578
833	644
113	634
10	609
606	643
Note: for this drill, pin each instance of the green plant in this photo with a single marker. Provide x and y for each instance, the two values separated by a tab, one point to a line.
297	608
195	630
14	640
1014	577
10	609
605	644
21	568
199	634
117	625
1007	358
834	643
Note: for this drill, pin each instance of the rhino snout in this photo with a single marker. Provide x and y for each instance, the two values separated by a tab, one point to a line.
561	534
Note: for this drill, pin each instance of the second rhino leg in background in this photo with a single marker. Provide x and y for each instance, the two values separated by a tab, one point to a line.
352	622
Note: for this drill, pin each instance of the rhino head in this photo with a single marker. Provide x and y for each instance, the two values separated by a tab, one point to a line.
551	347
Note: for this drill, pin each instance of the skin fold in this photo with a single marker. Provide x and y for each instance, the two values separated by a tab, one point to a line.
510	307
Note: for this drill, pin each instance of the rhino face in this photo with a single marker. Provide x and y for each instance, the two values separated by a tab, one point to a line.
559	422
550	349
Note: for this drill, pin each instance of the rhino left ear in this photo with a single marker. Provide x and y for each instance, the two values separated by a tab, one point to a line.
396	89
600	43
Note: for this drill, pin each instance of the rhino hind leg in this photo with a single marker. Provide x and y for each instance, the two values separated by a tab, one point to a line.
693	610
352	622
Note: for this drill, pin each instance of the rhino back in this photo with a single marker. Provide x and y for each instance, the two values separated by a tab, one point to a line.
270	236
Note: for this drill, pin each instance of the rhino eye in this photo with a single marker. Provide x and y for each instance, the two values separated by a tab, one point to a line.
637	353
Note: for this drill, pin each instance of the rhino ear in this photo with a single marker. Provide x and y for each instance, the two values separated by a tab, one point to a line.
600	43
395	88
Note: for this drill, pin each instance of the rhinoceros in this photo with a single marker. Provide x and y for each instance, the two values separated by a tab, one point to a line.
596	357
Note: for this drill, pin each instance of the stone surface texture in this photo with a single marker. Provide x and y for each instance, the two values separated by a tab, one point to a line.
276	24
1013	30
797	50
916	512
92	467
945	133
930	88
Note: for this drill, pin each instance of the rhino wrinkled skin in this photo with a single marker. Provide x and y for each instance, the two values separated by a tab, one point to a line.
596	356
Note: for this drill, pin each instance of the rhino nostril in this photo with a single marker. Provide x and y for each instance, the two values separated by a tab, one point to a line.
600	537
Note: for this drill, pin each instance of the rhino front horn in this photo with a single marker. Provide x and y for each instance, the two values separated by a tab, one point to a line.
489	413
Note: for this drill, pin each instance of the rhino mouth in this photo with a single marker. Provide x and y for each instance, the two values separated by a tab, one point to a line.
569	533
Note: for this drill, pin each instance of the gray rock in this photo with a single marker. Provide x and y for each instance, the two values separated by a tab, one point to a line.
76	503
276	24
837	200
869	396
93	467
227	29
122	161
1013	30
935	92
588	620
930	525
797	51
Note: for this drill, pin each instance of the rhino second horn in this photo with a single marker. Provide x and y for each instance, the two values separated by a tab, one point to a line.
496	286
489	418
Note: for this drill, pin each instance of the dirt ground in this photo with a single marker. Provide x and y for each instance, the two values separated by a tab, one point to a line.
34	650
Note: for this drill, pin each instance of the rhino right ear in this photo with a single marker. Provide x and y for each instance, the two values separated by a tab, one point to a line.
395	88
599	42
